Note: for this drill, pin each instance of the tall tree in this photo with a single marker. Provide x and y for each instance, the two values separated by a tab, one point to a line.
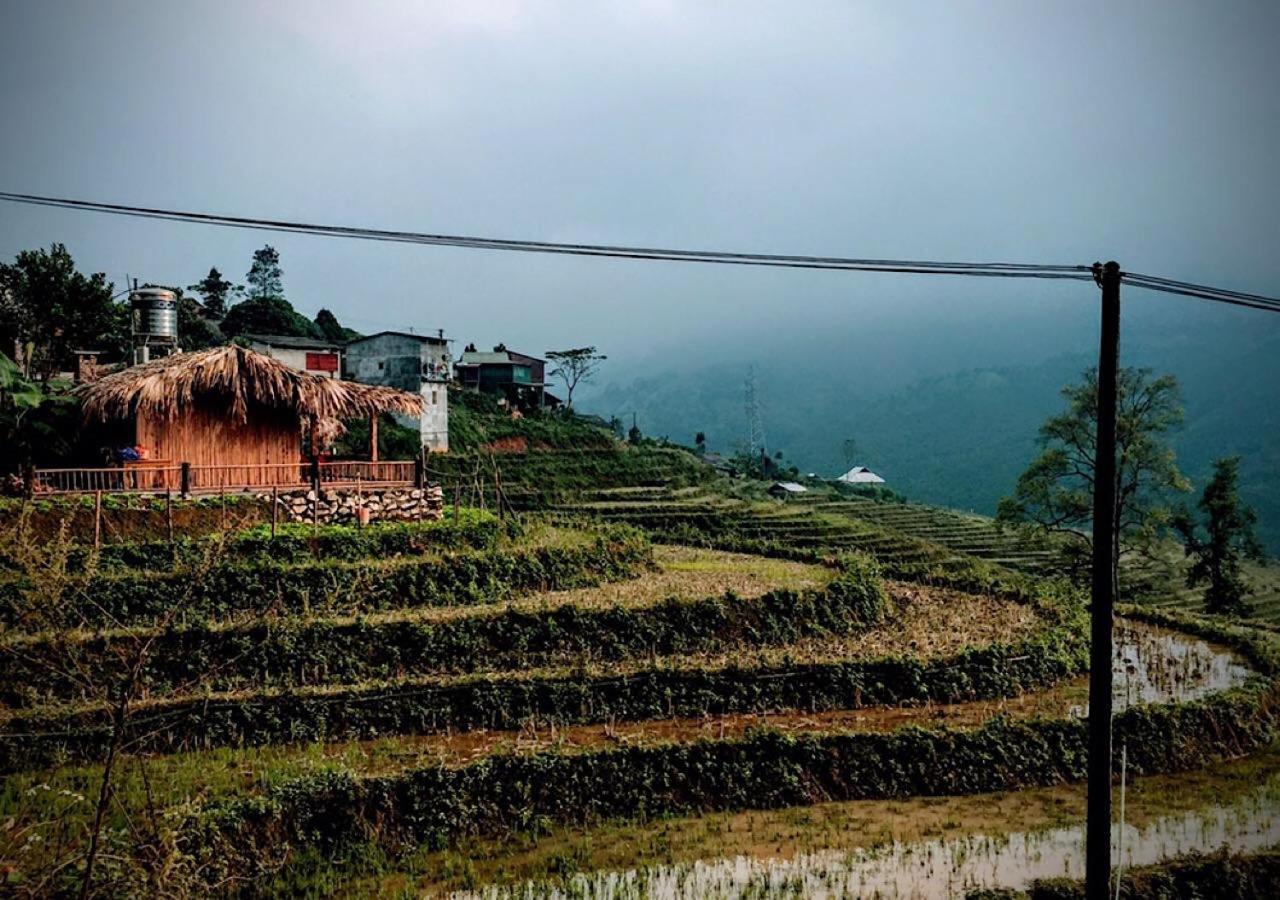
1055	493
48	309
1227	538
266	278
215	291
574	367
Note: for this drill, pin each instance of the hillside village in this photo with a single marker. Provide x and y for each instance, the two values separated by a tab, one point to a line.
640	451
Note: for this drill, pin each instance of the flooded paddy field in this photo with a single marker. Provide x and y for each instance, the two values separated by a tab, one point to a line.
912	848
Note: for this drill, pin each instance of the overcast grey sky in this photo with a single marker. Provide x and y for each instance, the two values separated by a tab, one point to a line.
1022	131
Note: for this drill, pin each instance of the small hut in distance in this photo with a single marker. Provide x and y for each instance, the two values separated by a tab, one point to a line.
228	417
860	475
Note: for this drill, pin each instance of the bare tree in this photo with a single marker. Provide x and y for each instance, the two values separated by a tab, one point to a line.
574	367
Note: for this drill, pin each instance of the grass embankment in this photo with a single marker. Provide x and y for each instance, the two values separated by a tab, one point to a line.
757	769
216	590
544	863
292	543
690	600
981	648
129	518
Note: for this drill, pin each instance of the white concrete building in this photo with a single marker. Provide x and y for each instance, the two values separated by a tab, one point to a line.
314	355
410	362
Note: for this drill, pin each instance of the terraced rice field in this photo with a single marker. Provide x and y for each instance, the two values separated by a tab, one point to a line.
464	699
893	532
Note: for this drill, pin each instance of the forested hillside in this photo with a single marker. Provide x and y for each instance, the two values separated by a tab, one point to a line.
961	439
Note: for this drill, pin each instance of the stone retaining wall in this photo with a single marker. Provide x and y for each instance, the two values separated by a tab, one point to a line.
339	505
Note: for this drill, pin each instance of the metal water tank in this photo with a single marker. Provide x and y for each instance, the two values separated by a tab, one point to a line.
155	315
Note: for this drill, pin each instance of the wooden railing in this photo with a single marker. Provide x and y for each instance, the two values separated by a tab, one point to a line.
159	477
115	479
363	471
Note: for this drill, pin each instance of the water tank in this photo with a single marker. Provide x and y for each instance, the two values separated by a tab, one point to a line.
155	315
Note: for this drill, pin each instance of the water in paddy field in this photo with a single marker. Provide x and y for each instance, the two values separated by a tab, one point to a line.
1157	665
935	868
1152	665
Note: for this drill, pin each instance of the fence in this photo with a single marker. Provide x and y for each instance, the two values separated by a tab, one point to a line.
184	478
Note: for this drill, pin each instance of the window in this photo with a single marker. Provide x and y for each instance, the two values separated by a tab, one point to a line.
433	397
381	365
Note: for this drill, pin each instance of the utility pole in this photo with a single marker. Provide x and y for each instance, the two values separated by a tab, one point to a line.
1098	824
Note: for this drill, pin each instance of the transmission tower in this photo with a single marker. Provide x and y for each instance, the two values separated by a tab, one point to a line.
755	429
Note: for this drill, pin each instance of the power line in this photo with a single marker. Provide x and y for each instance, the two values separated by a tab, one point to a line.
997	269
1203	292
712	257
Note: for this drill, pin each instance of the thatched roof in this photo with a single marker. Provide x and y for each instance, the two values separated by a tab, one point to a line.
240	379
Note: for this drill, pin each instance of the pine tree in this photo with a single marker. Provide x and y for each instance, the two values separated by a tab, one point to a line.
214	291
1226	540
266	278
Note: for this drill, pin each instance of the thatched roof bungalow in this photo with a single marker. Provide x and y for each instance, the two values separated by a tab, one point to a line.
232	407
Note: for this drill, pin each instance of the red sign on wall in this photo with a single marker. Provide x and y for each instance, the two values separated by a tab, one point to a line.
322	362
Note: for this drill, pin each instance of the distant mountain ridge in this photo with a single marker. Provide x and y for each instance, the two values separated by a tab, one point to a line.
961	439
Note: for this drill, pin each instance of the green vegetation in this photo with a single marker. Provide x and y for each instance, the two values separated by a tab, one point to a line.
49	310
1228	526
335	813
1055	493
214	590
477	422
292	543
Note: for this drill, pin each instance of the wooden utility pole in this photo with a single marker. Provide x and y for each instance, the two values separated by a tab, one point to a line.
1098	826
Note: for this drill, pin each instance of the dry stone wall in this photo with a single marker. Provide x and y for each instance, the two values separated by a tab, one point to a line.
340	506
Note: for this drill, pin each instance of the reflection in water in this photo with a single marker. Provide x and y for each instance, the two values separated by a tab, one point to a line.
937	868
1158	665
1152	665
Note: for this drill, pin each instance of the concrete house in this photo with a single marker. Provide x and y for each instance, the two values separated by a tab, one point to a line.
411	362
315	356
518	378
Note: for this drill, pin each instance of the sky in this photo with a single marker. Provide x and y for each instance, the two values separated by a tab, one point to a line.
1013	131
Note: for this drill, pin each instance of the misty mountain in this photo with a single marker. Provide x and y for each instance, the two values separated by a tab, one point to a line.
960	438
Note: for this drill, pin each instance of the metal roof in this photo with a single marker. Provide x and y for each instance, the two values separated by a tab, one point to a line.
425	338
860	475
790	487
480	357
293	342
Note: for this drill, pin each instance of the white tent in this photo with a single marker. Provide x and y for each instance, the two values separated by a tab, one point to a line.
860	475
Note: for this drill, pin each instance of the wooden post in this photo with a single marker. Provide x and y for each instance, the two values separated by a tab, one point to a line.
97	519
1102	608
419	472
186	479
275	509
373	437
222	511
457	500
168	513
